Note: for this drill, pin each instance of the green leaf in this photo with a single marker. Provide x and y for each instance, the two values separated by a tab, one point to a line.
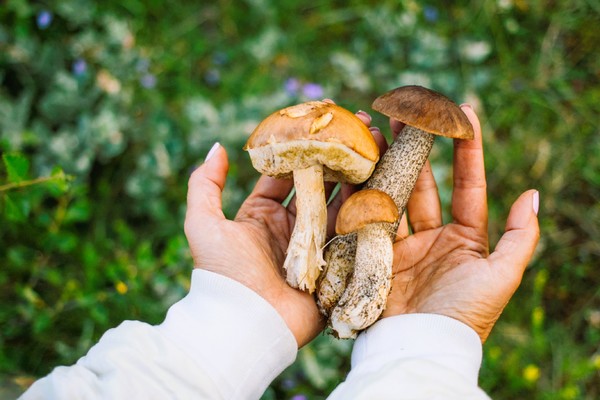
59	183
16	209
17	167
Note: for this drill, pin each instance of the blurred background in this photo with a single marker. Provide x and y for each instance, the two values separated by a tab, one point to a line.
106	107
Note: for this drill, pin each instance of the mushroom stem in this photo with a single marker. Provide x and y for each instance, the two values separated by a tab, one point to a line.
304	259
395	174
399	168
339	265
364	299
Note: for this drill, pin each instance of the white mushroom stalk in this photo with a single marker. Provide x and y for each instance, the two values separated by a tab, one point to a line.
365	296
371	214
304	259
313	142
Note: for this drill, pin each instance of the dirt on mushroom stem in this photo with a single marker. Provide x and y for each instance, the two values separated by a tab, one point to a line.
395	174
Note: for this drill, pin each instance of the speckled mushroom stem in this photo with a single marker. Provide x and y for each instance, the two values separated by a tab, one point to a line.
365	296
304	259
395	174
400	166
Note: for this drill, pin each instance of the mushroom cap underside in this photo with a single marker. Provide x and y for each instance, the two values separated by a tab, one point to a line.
340	164
314	132
425	109
367	206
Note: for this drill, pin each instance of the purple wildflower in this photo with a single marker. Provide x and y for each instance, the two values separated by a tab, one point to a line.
79	67
288	384
219	58
312	91
292	85
431	13
148	81
142	65
44	19
212	77
299	397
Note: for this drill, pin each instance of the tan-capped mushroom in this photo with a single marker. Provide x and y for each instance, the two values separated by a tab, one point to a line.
312	141
425	113
371	214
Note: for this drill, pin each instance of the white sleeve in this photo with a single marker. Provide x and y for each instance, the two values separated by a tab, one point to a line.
414	356
222	341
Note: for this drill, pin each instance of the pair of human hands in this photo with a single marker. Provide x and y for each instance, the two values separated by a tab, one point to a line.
440	269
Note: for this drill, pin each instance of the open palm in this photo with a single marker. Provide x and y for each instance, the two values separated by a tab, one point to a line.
447	269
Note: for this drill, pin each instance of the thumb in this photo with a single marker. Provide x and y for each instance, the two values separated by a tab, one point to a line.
205	187
521	236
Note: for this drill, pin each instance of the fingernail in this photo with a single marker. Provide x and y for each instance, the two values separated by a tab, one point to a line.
536	202
466	105
374	129
212	151
364	113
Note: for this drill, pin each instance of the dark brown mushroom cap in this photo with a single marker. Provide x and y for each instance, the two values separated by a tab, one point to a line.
425	109
367	206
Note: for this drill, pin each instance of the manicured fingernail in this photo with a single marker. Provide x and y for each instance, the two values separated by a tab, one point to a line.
212	151
536	202
365	114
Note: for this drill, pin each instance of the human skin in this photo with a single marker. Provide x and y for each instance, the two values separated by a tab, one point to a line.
447	269
440	269
251	248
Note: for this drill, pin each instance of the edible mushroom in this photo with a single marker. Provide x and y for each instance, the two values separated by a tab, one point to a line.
371	214
425	113
313	142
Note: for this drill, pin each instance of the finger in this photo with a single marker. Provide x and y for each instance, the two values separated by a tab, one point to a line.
272	188
469	198
364	117
424	209
328	188
379	139
396	127
515	248
205	187
403	230
346	190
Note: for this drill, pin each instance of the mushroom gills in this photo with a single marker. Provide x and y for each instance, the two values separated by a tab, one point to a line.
304	260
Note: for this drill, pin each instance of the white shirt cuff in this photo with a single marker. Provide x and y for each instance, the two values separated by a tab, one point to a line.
232	330
432	337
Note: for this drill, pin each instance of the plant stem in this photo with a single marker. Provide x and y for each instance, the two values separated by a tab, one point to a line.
22	184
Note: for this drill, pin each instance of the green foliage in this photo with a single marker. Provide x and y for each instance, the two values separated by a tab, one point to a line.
106	106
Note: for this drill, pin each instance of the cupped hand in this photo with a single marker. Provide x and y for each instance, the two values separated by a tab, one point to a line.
251	248
447	269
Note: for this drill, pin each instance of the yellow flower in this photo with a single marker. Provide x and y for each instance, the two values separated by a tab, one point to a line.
538	316
495	353
571	392
596	361
121	287
531	373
